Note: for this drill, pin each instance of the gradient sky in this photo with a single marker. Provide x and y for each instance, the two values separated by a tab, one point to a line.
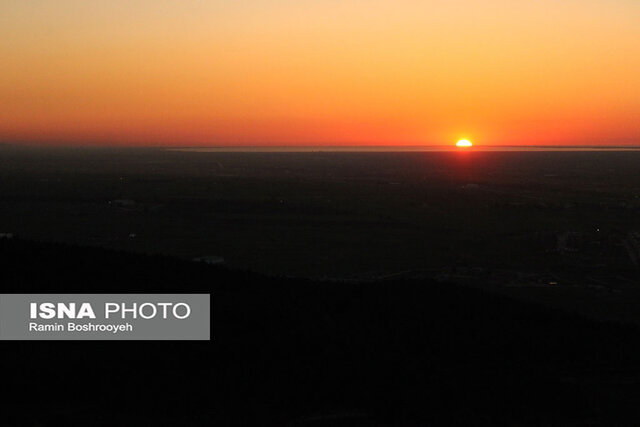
320	72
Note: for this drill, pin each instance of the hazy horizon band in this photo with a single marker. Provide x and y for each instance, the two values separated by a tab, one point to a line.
303	149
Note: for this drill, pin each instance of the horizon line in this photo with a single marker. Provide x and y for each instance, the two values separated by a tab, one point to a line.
40	144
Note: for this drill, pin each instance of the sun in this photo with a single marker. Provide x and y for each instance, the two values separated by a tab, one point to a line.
464	143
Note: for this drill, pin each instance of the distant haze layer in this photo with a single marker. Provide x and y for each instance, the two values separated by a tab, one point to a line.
311	72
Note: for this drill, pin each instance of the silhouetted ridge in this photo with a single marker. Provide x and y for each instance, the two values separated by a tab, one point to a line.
299	352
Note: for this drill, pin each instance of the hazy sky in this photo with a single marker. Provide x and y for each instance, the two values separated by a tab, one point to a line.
254	72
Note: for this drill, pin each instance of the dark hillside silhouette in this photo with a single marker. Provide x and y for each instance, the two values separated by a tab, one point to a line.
299	352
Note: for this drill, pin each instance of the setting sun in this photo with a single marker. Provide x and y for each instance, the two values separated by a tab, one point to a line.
303	72
464	143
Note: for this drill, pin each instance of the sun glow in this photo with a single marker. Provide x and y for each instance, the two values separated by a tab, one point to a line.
313	73
464	143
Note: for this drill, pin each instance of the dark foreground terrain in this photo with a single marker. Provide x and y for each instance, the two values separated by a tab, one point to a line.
305	353
450	288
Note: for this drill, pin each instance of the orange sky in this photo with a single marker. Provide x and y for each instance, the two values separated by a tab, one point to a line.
320	72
